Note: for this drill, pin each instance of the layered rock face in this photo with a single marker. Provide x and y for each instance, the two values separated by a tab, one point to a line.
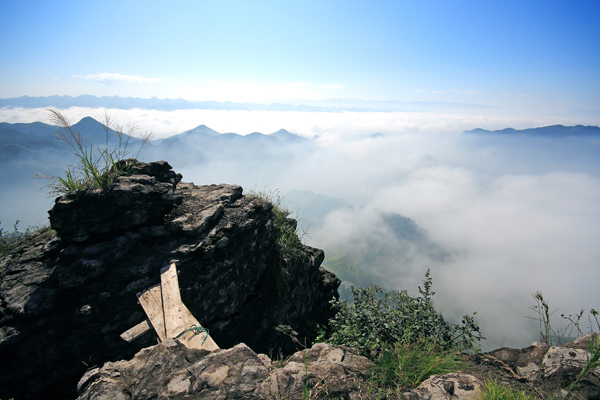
67	296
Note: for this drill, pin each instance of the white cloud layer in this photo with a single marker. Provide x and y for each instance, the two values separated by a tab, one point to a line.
515	217
308	124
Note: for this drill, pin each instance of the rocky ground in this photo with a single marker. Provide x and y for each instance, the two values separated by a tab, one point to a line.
171	371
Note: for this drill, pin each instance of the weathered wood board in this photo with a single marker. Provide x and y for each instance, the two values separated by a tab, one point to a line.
169	317
151	301
171	301
133	333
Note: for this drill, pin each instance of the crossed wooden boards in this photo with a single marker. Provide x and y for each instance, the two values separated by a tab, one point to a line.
169	317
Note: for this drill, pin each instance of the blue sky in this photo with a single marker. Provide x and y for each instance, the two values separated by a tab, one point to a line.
532	56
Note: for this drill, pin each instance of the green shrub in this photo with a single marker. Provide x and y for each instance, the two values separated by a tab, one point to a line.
377	318
97	169
406	338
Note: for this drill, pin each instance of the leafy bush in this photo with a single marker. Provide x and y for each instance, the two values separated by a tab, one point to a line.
407	339
93	170
377	318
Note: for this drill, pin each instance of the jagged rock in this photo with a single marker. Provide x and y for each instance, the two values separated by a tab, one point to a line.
454	386
133	201
543	369
322	369
170	370
66	296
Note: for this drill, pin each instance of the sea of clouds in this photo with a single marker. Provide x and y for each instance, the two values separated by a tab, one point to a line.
516	216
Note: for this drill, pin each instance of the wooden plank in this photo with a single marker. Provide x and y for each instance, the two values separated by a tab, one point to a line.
178	317
133	333
171	300
195	339
151	301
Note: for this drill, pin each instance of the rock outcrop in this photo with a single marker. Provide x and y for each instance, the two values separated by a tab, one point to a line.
171	371
543	370
67	295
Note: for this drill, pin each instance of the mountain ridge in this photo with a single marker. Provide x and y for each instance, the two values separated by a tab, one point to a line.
558	131
305	105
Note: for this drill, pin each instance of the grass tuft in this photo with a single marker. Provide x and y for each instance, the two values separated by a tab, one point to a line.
492	390
408	364
97	168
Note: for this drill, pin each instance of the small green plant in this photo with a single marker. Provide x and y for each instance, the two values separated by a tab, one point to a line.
559	336
305	391
94	169
9	241
592	363
290	250
492	390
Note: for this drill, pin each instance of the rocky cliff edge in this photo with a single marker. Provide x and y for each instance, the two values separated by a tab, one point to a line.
68	293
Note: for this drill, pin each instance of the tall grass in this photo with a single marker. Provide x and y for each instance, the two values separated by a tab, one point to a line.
407	364
492	390
97	167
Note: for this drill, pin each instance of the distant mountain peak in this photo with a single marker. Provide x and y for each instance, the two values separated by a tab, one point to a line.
287	135
200	130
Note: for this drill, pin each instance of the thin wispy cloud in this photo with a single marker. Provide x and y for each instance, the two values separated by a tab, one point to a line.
113	77
332	86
